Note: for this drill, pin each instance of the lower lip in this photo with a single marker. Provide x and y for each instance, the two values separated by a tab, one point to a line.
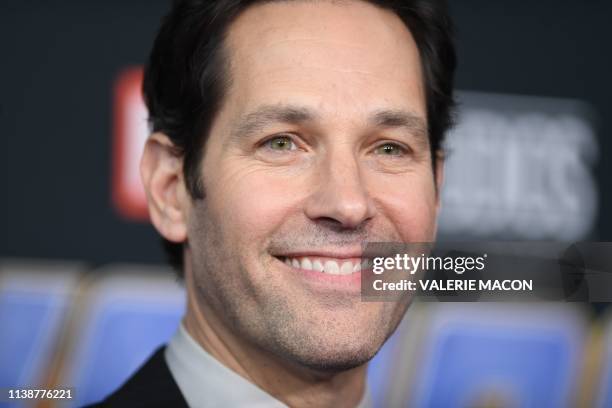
348	283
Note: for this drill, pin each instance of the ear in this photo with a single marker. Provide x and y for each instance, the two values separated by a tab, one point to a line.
440	159
161	171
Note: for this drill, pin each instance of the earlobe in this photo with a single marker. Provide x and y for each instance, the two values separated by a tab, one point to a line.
162	176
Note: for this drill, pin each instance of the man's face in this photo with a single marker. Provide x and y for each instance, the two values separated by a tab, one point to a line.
320	145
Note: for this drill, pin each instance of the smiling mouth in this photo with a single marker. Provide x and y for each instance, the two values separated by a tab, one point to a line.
325	265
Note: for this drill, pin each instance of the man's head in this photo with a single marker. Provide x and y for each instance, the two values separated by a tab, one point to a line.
287	133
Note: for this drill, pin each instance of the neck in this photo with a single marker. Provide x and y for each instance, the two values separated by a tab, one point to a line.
292	384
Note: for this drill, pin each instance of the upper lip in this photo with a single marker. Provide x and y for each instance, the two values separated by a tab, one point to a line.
337	253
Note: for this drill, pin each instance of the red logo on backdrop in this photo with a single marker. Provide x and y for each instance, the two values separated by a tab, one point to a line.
130	134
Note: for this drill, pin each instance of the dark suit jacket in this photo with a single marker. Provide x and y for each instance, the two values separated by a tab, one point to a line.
151	386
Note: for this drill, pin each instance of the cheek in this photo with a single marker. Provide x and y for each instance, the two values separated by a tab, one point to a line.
410	206
252	203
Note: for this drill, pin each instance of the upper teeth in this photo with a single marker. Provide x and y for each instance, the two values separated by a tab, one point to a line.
330	266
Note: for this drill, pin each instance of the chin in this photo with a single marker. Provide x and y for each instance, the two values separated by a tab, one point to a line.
328	355
336	364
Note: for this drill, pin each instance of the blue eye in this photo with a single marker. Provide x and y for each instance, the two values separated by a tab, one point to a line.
280	143
390	149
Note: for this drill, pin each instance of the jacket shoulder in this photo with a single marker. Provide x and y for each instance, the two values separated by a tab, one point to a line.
151	386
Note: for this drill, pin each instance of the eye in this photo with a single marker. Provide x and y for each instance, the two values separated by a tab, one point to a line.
390	149
280	143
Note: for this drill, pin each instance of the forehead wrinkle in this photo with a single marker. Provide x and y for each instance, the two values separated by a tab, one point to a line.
270	114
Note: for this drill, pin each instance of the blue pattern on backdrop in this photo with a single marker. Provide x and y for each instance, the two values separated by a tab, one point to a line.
122	335
33	321
522	368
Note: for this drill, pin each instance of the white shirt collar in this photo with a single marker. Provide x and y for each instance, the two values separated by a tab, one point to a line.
205	382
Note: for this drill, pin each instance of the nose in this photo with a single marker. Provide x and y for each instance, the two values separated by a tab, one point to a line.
340	194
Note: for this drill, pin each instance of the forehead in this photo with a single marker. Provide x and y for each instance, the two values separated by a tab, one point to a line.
338	57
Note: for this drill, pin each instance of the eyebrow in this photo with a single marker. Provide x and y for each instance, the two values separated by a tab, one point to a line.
267	115
270	114
410	121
